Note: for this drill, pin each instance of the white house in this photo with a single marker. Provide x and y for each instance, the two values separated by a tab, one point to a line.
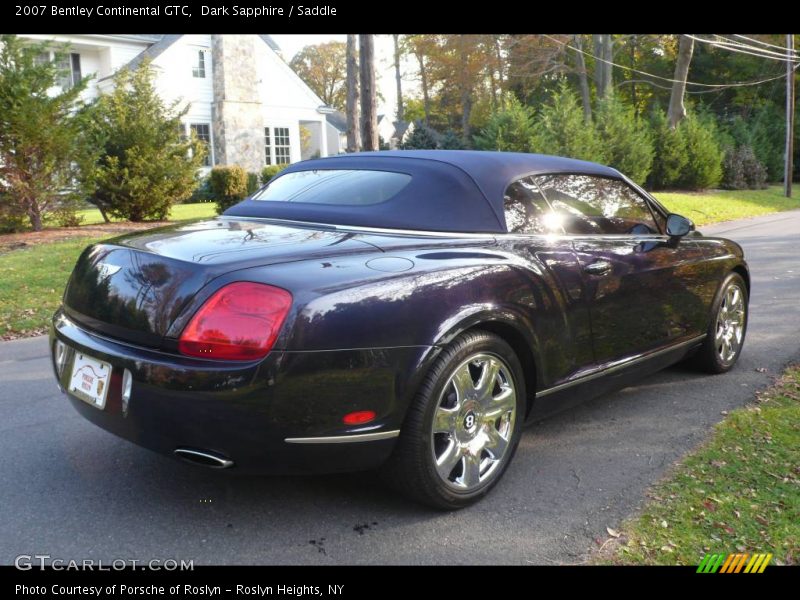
245	101
337	133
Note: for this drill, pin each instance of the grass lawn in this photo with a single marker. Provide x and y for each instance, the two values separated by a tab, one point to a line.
738	492
710	207
180	212
32	281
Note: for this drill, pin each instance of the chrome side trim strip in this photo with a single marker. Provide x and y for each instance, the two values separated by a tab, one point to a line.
619	366
345	439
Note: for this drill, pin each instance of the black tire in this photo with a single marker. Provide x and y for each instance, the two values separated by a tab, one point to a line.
412	468
710	358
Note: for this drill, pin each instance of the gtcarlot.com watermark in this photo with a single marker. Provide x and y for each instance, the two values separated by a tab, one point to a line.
27	562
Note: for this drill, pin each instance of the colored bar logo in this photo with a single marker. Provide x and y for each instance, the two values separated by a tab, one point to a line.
734	563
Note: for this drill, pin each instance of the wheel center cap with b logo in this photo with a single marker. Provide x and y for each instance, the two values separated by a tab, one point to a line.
470	420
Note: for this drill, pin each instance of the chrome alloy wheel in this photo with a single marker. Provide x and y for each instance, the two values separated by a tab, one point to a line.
473	422
730	324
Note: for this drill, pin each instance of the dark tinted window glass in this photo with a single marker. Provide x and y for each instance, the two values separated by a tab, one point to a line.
339	186
526	209
586	204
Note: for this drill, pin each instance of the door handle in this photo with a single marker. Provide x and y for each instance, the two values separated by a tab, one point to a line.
601	267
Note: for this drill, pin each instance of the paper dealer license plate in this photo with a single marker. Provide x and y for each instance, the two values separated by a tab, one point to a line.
90	380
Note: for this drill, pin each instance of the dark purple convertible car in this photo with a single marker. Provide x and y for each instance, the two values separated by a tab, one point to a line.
407	311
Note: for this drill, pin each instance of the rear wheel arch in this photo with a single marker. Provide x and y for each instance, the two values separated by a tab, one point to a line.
742	270
522	348
515	333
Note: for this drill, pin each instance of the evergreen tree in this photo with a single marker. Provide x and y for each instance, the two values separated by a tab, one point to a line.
510	129
146	163
628	143
40	142
562	130
670	152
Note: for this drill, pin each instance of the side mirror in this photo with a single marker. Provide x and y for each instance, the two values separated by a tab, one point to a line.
678	226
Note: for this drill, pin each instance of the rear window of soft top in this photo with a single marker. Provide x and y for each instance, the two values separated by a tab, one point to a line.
344	187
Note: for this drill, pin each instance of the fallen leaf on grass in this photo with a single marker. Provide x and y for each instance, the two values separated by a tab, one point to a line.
612	532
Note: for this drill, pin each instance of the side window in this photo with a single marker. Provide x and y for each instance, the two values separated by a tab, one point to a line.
587	204
526	210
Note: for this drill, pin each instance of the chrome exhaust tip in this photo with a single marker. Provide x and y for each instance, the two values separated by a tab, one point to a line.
203	458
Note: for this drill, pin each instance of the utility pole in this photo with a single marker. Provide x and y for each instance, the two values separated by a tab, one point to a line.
788	167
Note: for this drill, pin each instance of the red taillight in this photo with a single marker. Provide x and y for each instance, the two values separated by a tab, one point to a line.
359	417
238	322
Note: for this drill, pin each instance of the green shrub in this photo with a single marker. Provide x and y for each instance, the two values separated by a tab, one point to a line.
66	215
510	129
253	183
268	172
562	130
12	216
202	193
451	141
670	155
228	186
742	170
704	156
422	138
763	130
628	143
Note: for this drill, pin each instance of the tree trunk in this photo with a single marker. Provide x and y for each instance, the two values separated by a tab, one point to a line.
603	73
103	213
426	100
34	214
603	49
466	92
369	115
586	97
499	55
677	110
397	77
352	108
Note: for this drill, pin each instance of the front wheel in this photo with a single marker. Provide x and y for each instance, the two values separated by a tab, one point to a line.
464	425
727	327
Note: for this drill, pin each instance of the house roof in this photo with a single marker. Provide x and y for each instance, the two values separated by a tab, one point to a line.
449	190
338	120
400	128
153	51
162	42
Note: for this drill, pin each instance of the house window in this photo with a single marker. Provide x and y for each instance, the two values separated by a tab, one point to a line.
203	133
68	66
277	147
282	146
199	68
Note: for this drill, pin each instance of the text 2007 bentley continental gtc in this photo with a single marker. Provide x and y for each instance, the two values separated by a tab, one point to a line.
407	311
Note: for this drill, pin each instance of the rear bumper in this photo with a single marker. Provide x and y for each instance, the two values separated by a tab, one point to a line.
246	412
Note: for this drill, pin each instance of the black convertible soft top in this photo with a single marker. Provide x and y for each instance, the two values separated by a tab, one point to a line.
450	190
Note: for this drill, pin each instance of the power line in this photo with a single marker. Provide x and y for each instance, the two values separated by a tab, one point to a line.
707	85
783	54
731	47
761	51
744	37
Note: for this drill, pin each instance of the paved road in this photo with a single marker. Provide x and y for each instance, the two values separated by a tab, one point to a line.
72	490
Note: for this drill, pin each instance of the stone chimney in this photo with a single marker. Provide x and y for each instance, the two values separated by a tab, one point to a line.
236	112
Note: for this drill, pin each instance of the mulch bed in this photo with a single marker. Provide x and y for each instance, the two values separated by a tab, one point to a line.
13	241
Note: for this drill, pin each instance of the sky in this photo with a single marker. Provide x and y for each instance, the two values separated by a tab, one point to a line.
291	44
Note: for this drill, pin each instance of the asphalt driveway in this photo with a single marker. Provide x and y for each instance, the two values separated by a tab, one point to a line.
73	491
